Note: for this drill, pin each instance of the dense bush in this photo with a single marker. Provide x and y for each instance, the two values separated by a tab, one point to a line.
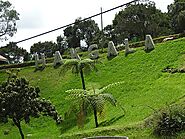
169	121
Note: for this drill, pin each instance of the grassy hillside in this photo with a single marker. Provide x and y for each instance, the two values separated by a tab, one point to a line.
145	86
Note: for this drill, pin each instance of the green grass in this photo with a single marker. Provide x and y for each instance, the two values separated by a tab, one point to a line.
145	86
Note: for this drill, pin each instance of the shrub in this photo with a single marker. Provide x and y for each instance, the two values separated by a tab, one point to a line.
169	121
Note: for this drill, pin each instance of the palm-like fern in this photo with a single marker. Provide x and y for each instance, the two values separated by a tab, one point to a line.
94	99
78	66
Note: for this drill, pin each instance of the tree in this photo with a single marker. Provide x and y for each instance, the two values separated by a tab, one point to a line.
110	34
90	31
8	18
94	100
71	34
61	44
137	20
86	30
14	53
47	47
20	101
176	12
78	66
108	31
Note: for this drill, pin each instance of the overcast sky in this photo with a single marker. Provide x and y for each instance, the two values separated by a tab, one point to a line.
38	16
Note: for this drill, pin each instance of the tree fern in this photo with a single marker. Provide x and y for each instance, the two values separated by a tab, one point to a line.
94	99
70	64
78	66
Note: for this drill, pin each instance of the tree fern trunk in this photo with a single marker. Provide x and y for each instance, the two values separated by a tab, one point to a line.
17	123
95	117
82	78
83	86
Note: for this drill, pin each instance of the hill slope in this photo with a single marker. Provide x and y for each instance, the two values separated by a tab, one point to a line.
145	86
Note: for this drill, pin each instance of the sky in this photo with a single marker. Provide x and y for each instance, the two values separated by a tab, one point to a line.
38	16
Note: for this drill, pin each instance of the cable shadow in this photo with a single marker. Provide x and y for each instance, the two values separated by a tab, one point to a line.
111	57
111	121
70	122
39	69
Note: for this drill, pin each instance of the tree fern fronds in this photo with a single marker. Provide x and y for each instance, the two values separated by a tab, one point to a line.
87	61
95	99
97	103
87	65
111	85
68	65
78	66
75	93
71	62
109	98
75	69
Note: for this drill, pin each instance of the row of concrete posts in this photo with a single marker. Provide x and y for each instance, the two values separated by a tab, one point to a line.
93	52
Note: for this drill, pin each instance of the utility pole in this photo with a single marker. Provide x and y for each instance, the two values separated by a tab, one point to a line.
101	26
101	19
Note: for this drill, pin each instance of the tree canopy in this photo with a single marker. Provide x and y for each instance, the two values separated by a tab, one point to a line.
62	44
137	20
47	47
176	12
86	30
14	53
8	18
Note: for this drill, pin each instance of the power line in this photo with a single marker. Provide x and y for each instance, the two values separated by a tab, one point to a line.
74	22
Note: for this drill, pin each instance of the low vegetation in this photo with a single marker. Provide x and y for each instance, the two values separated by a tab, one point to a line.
169	121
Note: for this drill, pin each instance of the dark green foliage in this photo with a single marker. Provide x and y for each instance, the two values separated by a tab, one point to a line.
108	32
103	43
86	30
8	19
61	44
47	47
176	12
169	121
20	101
14	53
138	20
